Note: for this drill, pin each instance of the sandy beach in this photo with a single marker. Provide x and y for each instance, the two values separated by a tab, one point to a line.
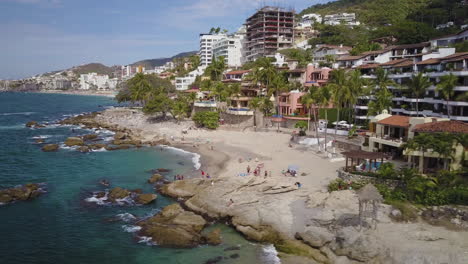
257	205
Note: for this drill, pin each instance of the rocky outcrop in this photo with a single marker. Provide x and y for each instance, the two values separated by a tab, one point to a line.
21	193
145	198
74	141
120	136
126	142
84	149
155	178
97	146
119	147
174	227
213	237
39	141
90	137
315	236
31	124
50	147
117	193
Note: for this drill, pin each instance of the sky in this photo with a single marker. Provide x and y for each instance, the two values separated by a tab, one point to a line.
38	36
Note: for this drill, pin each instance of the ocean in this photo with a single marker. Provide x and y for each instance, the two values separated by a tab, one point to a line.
62	226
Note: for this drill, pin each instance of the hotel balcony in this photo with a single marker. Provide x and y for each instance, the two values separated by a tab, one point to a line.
239	111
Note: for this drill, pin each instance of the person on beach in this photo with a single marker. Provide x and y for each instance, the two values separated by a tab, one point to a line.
266	174
203	174
298	184
208	176
248	169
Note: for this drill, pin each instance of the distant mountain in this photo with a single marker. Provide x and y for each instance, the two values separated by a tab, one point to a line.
151	63
95	67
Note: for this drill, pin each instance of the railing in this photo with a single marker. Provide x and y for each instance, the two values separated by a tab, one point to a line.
205	104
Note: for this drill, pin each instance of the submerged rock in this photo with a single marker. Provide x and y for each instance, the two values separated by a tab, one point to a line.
39	141
83	149
155	178
213	237
90	137
74	141
110	148
50	147
118	193
174	227
97	146
31	124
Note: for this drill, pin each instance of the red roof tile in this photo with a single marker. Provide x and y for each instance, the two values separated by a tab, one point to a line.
442	126
395	120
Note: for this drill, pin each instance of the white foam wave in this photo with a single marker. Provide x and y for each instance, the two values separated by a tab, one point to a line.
18	113
126	217
131	228
42	137
270	255
99	201
12	127
195	156
63	146
125	201
146	240
99	150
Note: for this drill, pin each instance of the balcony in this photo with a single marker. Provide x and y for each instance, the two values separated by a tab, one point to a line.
205	104
239	111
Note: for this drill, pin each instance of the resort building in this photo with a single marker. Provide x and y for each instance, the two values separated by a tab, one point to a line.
341	18
206	47
184	83
94	81
231	48
326	52
308	20
290	105
269	29
316	76
450	39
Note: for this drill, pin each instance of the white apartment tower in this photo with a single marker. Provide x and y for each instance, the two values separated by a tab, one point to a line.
230	47
206	47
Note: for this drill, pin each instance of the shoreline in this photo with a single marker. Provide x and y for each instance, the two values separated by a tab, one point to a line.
110	94
272	209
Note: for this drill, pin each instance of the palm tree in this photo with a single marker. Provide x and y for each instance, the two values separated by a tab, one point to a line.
339	89
255	104
447	88
140	88
308	101
382	101
216	68
356	88
418	86
323	97
278	84
421	142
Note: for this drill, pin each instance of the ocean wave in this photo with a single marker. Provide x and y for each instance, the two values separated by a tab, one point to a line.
270	255
131	228
146	240
42	137
12	127
63	146
99	201
18	113
195	156
126	217
99	150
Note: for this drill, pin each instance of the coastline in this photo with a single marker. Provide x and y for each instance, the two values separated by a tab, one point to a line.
110	94
273	209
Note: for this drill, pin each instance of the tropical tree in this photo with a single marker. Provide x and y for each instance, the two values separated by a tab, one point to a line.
421	142
266	105
323	97
255	104
382	101
180	108
302	125
356	88
216	68
308	100
140	88
418	86
340	91
158	103
446	87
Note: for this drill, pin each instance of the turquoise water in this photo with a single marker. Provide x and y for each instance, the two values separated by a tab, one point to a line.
60	226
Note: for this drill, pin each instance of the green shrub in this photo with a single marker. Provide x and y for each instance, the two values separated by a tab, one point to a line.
207	119
408	212
339	184
459	195
387	171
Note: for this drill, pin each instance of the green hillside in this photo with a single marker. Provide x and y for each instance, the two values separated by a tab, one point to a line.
381	12
151	63
95	67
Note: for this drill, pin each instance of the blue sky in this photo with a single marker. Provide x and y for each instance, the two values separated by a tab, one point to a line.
44	35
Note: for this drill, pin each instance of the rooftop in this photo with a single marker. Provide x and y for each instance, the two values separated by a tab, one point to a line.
237	72
395	120
454	127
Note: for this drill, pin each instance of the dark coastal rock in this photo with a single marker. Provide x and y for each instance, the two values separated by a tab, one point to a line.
87	120
118	193
119	136
213	237
174	227
126	142
83	149
21	193
50	147
232	248
31	124
139	191
234	256
119	147
90	137
100	195
155	178
74	141
163	170
97	146
146	198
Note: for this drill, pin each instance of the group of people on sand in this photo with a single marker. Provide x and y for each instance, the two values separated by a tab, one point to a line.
258	171
205	175
178	177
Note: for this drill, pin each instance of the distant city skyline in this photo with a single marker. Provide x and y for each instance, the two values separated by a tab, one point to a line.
46	35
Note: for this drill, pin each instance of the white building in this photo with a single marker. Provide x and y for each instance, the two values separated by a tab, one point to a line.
450	39
231	48
183	83
206	47
322	52
341	18
94	81
308	20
